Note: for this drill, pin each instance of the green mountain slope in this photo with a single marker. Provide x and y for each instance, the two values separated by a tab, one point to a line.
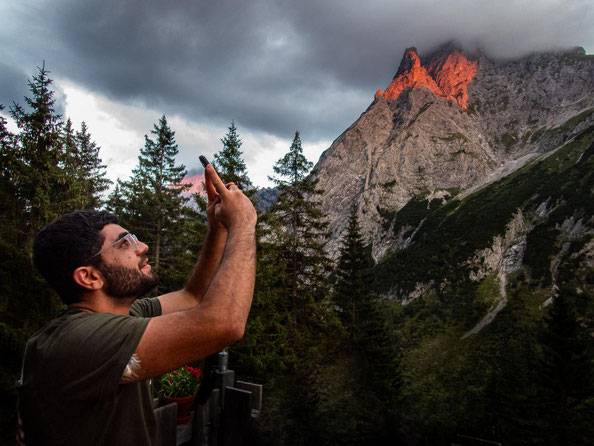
472	291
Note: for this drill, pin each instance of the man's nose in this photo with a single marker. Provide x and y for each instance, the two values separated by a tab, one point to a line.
142	248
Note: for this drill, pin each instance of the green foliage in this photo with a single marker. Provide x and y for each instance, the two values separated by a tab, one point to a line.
229	163
453	137
353	278
567	369
508	140
181	382
540	248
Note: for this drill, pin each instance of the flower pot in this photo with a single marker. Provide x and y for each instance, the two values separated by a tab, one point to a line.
184	404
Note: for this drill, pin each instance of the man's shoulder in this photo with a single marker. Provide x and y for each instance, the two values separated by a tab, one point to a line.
80	330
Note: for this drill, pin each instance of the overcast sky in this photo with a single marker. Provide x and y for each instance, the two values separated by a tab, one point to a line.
272	66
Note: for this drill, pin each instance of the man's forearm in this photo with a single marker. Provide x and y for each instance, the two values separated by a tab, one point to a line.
231	290
207	263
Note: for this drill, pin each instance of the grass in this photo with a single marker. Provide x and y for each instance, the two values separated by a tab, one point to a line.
453	137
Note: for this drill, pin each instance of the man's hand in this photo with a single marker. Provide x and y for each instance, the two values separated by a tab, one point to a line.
210	254
213	197
231	207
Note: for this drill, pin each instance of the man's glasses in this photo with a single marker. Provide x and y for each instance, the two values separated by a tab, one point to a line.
129	241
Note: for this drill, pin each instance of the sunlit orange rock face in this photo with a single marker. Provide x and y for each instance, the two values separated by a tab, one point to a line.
453	76
446	77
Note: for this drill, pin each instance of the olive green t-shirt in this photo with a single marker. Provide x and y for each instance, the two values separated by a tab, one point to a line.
70	391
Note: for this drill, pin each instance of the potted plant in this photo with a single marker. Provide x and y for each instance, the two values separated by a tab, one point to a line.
179	386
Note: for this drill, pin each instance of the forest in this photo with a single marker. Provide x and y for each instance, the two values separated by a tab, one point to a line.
339	362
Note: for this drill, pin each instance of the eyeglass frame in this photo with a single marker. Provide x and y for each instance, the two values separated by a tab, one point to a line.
130	238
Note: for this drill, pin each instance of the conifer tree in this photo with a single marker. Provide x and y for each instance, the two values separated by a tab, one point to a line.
155	206
352	291
72	166
34	186
4	133
567	370
300	228
91	168
365	318
230	165
291	282
508	406
116	202
38	171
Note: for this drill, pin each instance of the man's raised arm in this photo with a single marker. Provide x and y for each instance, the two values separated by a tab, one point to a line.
208	260
178	338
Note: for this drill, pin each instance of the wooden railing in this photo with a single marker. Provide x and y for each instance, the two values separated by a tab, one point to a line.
224	419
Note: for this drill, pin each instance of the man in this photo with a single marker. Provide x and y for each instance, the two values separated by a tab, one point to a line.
84	377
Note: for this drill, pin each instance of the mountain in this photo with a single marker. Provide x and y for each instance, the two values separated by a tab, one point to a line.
449	123
474	181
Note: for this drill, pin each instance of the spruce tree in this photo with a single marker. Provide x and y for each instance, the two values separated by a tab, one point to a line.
38	172
92	171
566	369
290	301
229	163
352	290
365	318
72	166
116	202
507	406
300	229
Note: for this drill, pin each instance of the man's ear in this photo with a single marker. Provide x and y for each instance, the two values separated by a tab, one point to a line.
88	277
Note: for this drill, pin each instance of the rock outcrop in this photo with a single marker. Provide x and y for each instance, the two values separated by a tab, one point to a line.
447	77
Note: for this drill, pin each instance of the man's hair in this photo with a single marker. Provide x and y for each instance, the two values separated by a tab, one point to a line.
66	244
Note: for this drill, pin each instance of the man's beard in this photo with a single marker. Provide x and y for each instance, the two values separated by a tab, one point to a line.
123	282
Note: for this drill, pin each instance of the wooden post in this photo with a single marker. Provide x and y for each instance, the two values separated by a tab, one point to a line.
206	421
235	417
256	395
225	377
166	420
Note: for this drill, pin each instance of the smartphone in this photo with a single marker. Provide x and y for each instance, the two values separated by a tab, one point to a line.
203	160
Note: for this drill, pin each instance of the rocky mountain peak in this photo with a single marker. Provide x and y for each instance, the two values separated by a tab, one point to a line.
447	75
409	61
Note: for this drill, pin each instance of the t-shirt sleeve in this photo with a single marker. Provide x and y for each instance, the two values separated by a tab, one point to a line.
91	353
148	307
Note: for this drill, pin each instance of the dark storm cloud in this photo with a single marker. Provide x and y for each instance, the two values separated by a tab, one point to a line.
14	85
273	66
15	88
